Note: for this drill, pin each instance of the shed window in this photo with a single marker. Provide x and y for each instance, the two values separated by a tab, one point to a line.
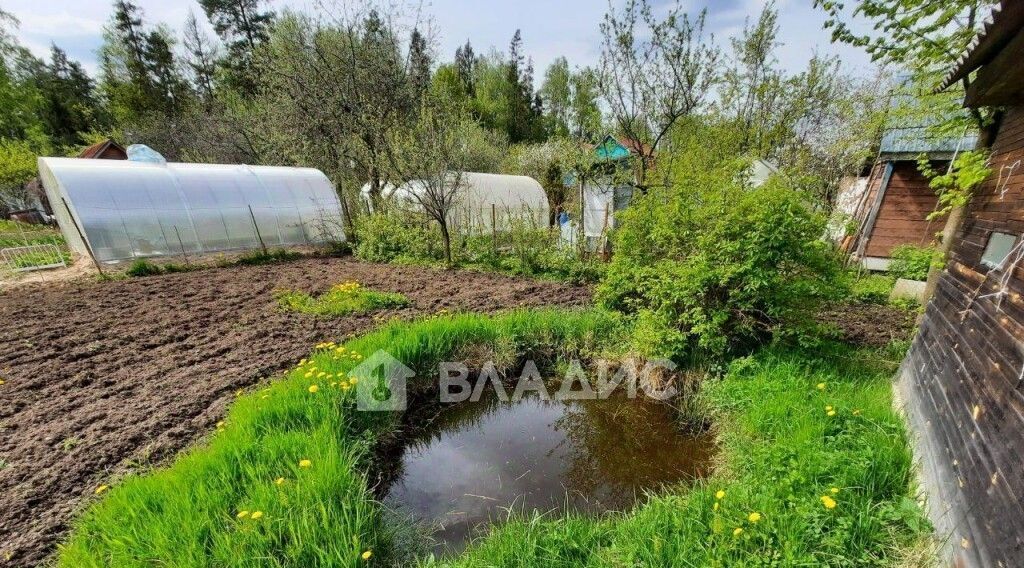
998	247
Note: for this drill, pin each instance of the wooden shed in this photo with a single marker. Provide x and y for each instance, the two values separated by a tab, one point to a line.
894	207
962	381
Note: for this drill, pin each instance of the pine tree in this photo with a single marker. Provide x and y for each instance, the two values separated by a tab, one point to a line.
69	106
243	27
419	65
465	64
171	89
523	114
201	57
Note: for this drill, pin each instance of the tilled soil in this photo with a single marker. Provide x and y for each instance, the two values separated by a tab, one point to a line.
102	377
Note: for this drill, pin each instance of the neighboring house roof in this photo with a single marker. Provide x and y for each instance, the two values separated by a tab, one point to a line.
910	142
105	150
616	148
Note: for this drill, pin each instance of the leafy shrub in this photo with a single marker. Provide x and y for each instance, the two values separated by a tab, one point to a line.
712	267
389	235
342	299
911	262
872	289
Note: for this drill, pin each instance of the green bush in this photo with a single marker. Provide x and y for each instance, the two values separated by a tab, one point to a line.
390	235
872	289
912	262
714	267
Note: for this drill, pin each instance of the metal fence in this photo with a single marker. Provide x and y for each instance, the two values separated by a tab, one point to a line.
32	257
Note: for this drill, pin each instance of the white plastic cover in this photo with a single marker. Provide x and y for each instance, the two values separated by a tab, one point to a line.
509	196
135	209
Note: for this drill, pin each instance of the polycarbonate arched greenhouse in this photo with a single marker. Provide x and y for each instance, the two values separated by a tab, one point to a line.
127	209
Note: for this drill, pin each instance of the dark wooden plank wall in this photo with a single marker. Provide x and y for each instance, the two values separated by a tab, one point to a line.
903	214
963	380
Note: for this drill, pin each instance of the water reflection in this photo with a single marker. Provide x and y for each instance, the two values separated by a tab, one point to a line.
477	460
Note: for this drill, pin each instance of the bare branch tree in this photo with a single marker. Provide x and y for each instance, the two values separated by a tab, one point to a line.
654	71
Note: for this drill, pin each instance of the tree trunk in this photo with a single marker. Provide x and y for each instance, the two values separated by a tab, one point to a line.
447	240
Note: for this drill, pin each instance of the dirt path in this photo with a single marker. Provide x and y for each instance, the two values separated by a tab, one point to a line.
101	377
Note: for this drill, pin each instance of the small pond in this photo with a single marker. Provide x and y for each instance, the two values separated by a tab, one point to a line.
479	459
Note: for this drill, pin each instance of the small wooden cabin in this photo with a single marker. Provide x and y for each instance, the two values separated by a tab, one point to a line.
896	200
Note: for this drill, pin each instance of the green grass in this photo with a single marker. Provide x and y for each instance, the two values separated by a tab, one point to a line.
342	299
15	234
780	453
323	515
259	257
872	288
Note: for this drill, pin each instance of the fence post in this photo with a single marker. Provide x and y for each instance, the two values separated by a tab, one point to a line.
494	228
257	227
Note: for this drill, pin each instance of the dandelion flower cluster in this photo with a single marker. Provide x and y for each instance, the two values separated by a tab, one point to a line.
101	489
279	481
828	502
821	386
754	517
737	531
313	388
305	463
366	555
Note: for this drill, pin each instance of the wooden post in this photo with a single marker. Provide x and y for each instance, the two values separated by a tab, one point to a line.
494	227
257	227
182	245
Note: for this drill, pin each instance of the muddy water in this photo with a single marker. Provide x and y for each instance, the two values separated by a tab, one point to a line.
479	459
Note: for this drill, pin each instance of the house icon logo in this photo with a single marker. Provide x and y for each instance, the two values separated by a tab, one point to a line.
381	383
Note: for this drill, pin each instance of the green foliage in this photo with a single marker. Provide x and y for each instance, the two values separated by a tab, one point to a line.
957	185
143	267
913	262
393	234
872	289
719	267
258	257
341	300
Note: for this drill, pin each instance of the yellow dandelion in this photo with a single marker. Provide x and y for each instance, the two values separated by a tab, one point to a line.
828	502
279	481
353	381
821	386
313	388
344	386
367	554
220	424
1	381
831	413
834	490
720	494
715	508
334	384
242	514
265	397
305	463
256	515
321	375
309	375
856	412
737	531
754	517
101	489
239	392
827	408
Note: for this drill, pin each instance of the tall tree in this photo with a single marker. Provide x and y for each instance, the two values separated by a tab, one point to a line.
69	105
170	86
655	71
419	64
243	25
465	64
524	108
556	92
584	110
201	55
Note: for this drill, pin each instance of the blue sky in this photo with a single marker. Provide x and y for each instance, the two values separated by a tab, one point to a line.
550	27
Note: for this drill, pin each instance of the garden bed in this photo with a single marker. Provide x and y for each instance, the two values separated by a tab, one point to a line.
106	377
